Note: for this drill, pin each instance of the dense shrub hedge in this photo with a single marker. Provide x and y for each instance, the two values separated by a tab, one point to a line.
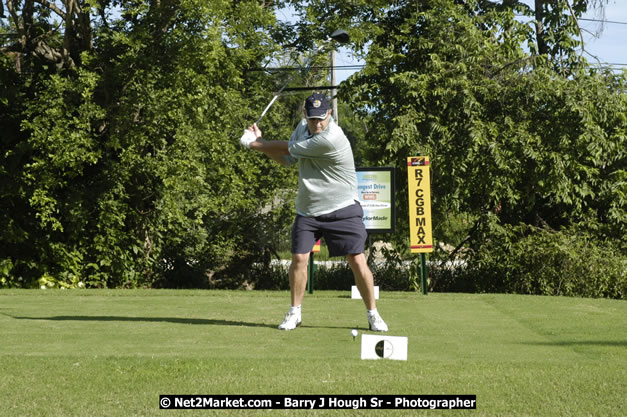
537	261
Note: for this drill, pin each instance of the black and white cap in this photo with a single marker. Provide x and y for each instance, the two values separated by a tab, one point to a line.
316	106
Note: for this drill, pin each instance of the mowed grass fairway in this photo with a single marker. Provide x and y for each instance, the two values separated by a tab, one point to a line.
112	352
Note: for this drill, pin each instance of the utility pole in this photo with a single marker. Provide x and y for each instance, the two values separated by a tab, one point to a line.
334	91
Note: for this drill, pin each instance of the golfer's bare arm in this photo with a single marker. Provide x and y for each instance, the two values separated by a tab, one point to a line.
275	149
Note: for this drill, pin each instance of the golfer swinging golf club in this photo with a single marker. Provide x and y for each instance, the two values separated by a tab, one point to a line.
326	204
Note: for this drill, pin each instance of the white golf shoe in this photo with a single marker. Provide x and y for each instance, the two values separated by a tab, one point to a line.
376	323
291	321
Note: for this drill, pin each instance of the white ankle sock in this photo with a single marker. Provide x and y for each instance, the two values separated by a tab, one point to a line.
295	309
372	312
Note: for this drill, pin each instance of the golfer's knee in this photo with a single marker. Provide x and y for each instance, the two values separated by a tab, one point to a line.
300	259
356	259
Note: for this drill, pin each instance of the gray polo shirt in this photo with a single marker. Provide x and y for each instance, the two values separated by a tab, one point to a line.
326	170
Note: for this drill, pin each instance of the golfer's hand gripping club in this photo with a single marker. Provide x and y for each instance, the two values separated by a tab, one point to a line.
250	135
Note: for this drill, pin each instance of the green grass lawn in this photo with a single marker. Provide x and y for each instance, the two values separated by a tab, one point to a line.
112	352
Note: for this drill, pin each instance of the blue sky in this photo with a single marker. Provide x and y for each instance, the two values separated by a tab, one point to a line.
610	45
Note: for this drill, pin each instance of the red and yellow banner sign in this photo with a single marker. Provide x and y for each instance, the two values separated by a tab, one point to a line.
316	247
419	186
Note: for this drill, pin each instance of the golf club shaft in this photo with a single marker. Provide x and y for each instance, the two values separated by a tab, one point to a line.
268	107
276	96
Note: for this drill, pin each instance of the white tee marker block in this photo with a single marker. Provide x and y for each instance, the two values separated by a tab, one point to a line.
374	346
355	295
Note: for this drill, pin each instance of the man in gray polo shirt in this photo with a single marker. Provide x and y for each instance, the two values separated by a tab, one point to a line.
326	204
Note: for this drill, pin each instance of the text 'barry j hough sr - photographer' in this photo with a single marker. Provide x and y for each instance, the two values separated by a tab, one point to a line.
319	402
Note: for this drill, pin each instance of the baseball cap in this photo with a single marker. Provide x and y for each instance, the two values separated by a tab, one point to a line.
317	106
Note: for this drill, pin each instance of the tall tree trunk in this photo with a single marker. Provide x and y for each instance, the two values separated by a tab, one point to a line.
542	47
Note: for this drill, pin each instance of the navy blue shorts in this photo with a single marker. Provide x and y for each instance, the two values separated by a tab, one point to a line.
343	231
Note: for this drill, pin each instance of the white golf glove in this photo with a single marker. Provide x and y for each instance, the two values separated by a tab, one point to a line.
247	138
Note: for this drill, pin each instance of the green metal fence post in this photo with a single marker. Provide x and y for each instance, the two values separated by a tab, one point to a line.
310	273
423	273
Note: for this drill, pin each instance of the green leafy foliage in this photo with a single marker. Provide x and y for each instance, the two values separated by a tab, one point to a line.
529	260
509	136
127	171
120	167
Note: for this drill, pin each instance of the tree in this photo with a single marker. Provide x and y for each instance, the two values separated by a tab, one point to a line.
120	160
513	141
558	33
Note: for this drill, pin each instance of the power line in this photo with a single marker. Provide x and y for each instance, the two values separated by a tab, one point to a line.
602	21
358	67
320	87
584	19
281	69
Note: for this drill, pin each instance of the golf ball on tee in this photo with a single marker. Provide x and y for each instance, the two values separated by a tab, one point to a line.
354	332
